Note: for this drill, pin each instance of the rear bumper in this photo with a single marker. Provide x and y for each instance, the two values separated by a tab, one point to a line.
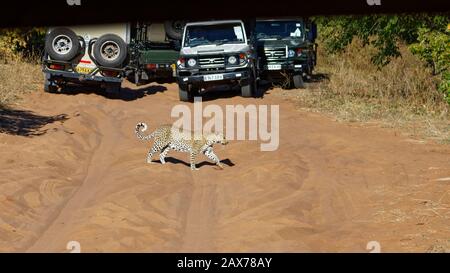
71	75
77	77
160	70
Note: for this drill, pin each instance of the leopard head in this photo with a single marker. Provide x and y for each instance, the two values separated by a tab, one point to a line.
217	138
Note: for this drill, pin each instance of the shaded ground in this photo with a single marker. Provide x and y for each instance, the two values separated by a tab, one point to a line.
26	123
329	187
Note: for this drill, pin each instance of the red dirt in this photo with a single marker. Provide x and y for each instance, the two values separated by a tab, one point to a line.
329	187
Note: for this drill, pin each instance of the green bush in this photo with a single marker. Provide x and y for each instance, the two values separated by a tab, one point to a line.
433	47
22	42
444	86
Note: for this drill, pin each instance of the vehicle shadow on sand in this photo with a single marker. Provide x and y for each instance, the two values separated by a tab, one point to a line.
125	94
264	88
229	92
26	123
199	165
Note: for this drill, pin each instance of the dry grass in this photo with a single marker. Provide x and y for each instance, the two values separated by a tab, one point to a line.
401	95
18	76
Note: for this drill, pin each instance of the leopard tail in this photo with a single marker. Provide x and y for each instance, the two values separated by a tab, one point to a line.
140	128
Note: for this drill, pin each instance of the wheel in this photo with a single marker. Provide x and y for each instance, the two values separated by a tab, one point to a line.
50	87
110	51
249	89
62	44
131	77
298	81
184	94
174	29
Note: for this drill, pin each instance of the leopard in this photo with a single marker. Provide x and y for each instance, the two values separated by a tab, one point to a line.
168	137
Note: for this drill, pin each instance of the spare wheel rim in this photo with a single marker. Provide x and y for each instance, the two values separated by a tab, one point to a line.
62	44
110	50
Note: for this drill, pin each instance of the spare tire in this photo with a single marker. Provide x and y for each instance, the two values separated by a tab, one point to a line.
62	44
174	29
110	51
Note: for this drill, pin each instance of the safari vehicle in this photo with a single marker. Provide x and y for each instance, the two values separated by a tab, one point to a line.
104	54
154	51
286	48
85	54
216	53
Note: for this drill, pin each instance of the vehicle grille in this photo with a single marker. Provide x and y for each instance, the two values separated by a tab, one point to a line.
211	61
275	54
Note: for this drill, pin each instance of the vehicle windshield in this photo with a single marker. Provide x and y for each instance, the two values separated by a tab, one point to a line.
277	30
229	33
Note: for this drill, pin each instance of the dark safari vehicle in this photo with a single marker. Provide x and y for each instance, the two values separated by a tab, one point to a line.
286	48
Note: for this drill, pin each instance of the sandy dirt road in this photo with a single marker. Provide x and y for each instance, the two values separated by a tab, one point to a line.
71	168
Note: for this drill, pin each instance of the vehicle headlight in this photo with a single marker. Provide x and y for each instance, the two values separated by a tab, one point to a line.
232	60
192	62
291	53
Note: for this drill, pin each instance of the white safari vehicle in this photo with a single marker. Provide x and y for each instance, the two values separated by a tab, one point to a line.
86	54
217	53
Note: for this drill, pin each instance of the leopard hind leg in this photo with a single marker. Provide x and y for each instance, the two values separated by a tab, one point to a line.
192	157
156	147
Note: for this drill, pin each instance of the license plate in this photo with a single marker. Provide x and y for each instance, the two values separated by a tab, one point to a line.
83	69
214	77
274	66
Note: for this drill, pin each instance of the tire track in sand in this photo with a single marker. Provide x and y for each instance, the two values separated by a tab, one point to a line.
98	165
198	235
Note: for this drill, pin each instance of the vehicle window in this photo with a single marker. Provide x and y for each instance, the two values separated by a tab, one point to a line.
279	30
214	34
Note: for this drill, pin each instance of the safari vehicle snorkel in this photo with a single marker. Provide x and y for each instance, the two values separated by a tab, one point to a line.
286	48
216	53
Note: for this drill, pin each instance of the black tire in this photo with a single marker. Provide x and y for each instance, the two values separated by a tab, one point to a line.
249	89
184	94
62	44
174	29
246	91
50	87
110	51
298	82
257	92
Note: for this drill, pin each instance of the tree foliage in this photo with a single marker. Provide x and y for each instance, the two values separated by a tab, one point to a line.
428	36
24	42
384	32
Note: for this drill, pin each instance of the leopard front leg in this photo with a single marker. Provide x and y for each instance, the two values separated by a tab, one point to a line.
193	155
211	155
163	155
